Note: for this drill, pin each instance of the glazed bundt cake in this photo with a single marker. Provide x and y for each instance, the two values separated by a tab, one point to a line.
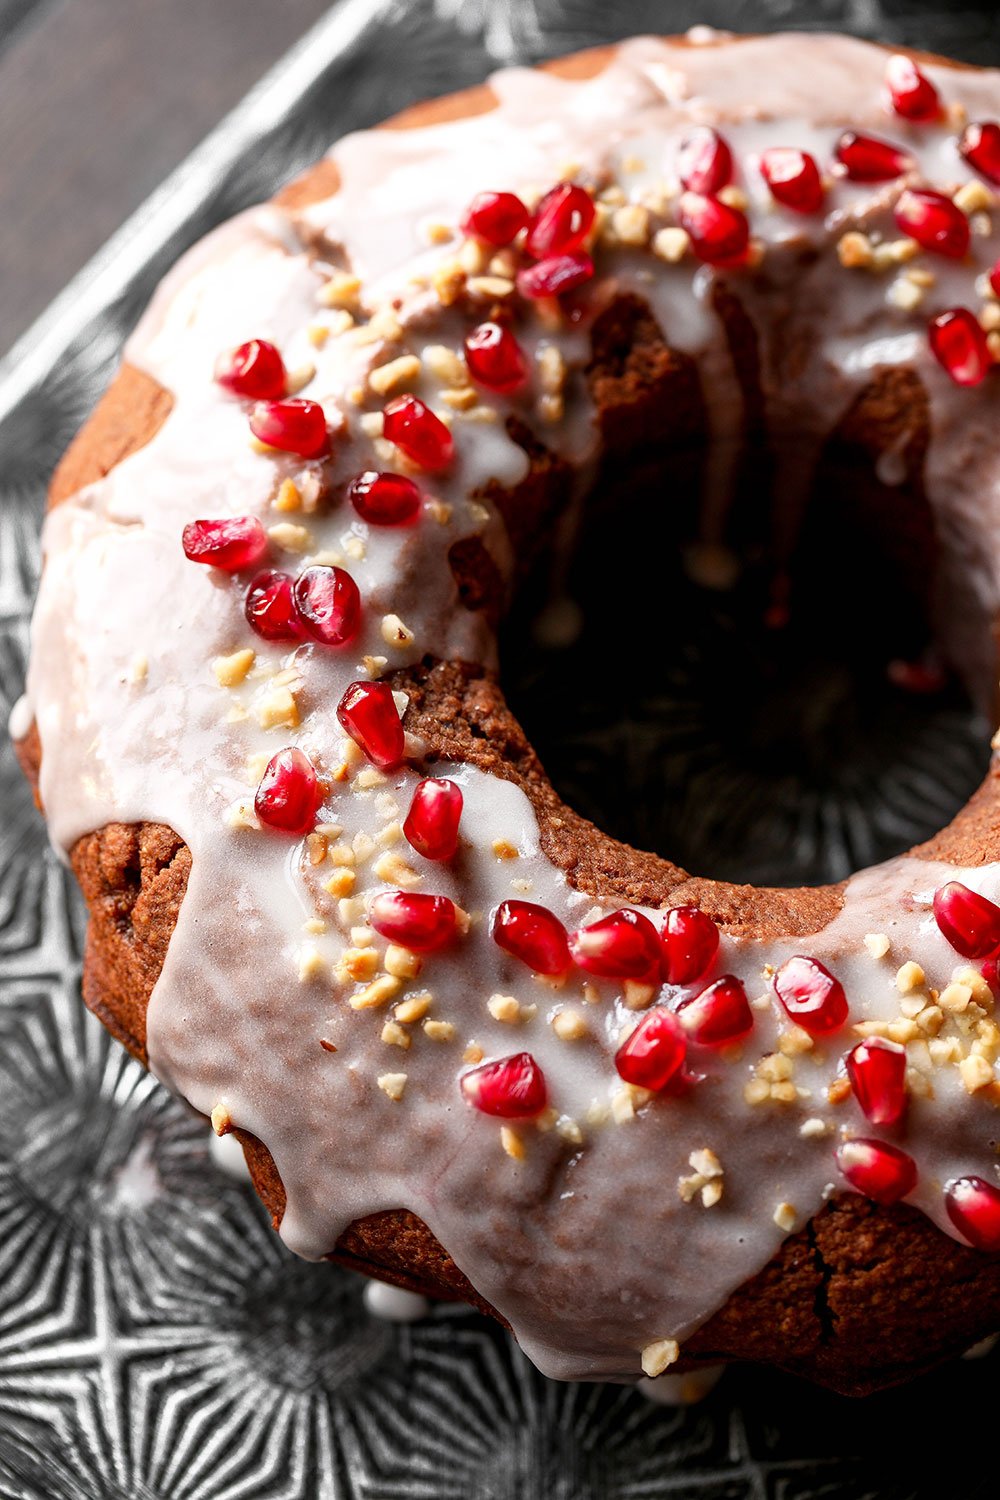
469	1042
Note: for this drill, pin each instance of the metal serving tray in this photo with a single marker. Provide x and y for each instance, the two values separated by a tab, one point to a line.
156	1340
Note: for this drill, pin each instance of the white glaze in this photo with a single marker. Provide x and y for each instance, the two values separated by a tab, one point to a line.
587	1250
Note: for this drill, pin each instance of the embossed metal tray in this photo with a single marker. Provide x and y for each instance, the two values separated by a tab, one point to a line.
156	1340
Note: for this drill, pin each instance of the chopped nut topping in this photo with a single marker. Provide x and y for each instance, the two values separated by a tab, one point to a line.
395	633
877	944
446	364
569	1025
394	375
340	291
910	977
503	849
413	1008
630	224
277	709
394	870
231	670
785	1216
854	250
393	1084
444	1031
311	963
357	964
222	1122
976	1072
511	1142
905	294
659	1356
636	995
401	963
378	993
288	497
811	1128
955	997
394	1036
505	1008
489	288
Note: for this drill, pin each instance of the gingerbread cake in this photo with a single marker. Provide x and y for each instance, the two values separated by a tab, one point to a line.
469	1042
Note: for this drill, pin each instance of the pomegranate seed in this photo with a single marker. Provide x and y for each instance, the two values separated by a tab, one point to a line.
980	145
418	433
533	934
974	1208
719	234
877	1070
958	343
496	218
970	922
793	178
689	941
513	1088
813	998
624	945
328	604
294	426
718	1016
911	93
867	159
555	275
495	358
270	607
418	922
431	825
384	499
654	1053
289	793
704	161
368	713
879	1171
233	543
934	221
561	222
255	369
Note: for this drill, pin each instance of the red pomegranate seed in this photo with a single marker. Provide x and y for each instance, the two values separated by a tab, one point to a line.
496	218
418	433
384	499
719	1016
431	825
561	222
910	92
654	1054
289	793
513	1088
980	145
719	234
877	1070
555	275
813	998
970	922
418	922
368	713
624	945
255	369
233	543
495	358
689	941
793	178
958	343
328	604
533	934
294	426
934	221
704	161
879	1171
867	159
270	607
974	1208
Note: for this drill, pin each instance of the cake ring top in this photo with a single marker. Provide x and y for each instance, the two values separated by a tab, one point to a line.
609	1115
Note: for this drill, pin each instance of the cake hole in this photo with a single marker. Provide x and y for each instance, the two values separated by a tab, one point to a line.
779	723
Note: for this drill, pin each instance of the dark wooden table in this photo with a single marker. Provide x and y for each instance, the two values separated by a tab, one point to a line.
99	99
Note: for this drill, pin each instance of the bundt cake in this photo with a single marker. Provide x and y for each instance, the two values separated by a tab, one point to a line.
470	1043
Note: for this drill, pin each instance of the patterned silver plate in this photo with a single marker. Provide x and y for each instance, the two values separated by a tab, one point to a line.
156	1341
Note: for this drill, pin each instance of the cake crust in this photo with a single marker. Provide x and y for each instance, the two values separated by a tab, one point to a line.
829	1305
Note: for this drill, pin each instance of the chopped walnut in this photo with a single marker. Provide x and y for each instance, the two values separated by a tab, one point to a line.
512	1142
231	670
444	1031
393	1084
394	1036
910	977
569	1026
222	1122
659	1356
401	963
394	375
785	1216
376	994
